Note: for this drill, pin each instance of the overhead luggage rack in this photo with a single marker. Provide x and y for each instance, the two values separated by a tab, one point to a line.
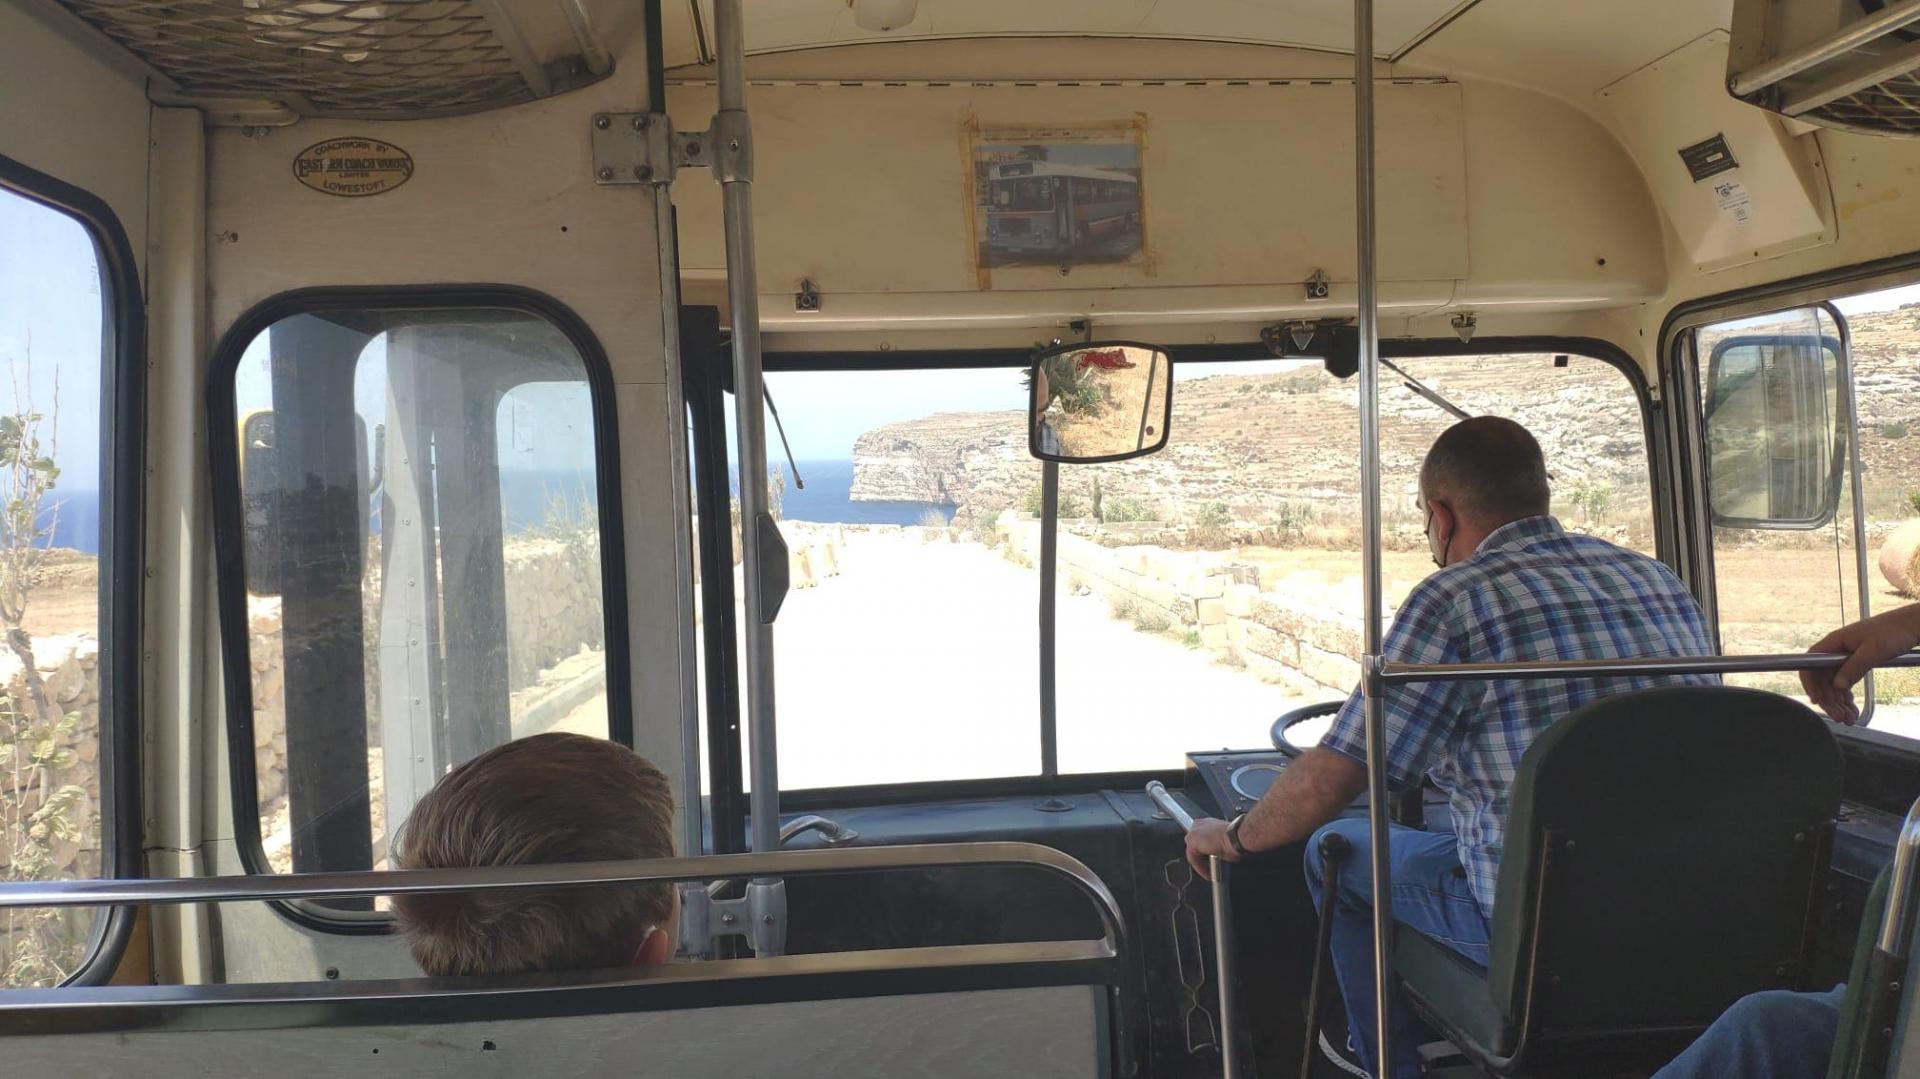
393	59
1850	64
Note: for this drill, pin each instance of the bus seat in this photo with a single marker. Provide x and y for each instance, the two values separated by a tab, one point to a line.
1662	856
994	1009
1873	993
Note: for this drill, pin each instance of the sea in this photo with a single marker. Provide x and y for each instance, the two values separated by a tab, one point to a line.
529	497
75	517
827	499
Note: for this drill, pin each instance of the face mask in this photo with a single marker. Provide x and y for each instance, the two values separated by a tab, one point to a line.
1436	546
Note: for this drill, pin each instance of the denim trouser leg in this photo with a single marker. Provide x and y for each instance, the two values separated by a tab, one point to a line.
1429	894
1771	1035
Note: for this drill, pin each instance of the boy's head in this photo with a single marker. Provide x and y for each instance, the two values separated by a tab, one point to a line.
540	800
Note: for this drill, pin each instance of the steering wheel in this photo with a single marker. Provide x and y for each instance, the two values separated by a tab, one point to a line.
1297	716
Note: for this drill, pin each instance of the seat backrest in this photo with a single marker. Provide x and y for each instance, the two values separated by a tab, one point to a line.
1040	1009
1863	996
1663	847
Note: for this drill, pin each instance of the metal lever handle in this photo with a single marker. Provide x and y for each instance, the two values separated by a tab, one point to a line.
1163	798
1222	932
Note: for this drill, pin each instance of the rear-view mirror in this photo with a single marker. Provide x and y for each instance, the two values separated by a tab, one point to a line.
1101	401
1776	440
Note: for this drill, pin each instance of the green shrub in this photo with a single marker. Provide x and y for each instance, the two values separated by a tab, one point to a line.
1913	499
1893	430
1121	510
1191	638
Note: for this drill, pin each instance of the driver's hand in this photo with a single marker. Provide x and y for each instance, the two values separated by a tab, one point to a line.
1209	839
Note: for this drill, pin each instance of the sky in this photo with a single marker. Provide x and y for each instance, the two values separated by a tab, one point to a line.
50	323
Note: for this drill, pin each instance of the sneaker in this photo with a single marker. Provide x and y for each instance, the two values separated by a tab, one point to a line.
1344	1057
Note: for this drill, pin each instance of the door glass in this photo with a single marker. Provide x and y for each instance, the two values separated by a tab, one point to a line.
421	531
1786	567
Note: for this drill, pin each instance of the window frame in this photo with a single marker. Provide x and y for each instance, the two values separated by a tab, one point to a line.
1679	361
123	434
230	541
723	783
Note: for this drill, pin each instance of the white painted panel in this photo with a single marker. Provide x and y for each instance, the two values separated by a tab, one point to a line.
1775	201
1047	1033
74	117
505	197
866	190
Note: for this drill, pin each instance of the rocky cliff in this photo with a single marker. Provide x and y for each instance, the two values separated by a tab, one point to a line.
1274	448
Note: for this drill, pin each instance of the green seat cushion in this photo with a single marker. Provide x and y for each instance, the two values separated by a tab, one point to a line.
1453	985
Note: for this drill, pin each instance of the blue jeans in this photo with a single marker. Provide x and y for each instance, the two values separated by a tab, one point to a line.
1764	1036
1430	894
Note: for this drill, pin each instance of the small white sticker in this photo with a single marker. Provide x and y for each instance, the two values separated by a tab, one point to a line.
1732	198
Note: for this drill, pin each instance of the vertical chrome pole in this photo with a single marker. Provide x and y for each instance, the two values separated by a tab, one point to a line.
1850	401
732	154
1371	687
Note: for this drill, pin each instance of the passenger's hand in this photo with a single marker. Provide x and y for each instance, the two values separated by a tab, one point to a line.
1873	640
1209	839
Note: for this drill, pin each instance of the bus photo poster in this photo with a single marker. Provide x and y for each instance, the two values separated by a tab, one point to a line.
1056	197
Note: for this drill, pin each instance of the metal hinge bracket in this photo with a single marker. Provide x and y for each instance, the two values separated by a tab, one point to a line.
643	148
760	916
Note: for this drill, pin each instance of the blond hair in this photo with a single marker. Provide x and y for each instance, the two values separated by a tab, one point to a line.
545	799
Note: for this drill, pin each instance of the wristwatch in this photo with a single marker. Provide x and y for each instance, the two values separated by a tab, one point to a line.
1233	835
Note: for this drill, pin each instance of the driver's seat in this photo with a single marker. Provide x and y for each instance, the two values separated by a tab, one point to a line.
1662	855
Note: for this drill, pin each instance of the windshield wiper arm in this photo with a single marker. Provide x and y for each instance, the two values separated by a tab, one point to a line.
798	483
1426	391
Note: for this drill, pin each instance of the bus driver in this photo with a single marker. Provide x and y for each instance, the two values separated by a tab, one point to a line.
1512	585
546	799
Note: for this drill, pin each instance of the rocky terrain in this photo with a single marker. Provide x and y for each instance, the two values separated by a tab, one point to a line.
1270	452
1272	457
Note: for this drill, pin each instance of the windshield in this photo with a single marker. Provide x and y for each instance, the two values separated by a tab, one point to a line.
1200	592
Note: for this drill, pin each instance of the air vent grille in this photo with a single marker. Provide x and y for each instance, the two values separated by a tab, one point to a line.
1848	64
393	58
1890	108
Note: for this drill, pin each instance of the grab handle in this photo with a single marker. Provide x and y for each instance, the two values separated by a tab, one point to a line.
1222	932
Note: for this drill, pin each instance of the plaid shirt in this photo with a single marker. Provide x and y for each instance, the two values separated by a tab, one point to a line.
1530	592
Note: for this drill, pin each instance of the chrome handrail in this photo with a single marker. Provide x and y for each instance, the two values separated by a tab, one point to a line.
1896	925
357	883
1222	932
1398	674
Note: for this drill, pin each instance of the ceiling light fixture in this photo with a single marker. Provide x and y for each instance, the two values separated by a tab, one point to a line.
882	15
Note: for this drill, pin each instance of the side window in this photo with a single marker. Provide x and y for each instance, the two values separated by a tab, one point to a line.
1779	455
419	506
53	319
1209	588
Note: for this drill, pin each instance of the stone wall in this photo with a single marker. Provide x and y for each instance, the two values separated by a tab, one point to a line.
1233	607
49	799
68	666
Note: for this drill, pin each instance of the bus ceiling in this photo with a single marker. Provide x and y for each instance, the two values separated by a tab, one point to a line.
1609	128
